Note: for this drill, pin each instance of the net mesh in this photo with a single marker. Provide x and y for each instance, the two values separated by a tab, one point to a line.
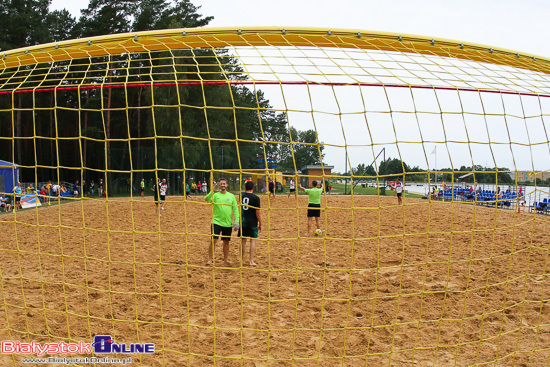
449	279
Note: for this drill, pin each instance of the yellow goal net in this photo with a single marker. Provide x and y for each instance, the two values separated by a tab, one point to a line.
432	160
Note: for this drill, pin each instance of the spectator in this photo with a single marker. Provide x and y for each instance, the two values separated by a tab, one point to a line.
42	193
17	191
100	188
5	203
55	190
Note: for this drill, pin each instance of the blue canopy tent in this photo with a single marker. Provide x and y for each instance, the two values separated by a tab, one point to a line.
9	176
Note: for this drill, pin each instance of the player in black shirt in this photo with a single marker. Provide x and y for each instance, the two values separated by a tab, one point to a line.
251	220
271	188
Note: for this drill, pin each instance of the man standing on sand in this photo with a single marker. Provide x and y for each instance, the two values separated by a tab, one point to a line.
251	220
187	191
142	185
163	190
75	189
156	191
225	206
292	188
398	186
314	205
271	188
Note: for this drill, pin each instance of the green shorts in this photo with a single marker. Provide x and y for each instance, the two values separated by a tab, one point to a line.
246	231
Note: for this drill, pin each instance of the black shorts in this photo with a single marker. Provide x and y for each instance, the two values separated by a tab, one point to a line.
142	189
314	212
246	231
225	232
17	199
292	190
399	194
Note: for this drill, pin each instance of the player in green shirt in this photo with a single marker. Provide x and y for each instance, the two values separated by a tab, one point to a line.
187	191
142	184
314	205
225	205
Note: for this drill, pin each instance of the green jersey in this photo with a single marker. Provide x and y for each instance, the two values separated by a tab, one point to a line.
224	205
314	195
142	184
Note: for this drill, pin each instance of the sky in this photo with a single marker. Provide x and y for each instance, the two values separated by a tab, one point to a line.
510	24
518	25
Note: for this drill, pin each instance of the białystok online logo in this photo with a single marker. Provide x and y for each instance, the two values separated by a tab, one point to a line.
102	344
106	344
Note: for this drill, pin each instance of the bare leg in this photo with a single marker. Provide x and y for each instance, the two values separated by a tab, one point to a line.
211	246
318	222
309	219
243	244
226	252
252	251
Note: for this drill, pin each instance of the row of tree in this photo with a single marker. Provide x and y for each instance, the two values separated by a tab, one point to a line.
393	167
191	127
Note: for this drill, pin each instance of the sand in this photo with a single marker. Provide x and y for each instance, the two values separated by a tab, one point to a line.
428	283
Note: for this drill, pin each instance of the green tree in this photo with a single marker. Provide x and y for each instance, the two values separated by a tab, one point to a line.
364	170
306	148
23	23
161	14
61	25
106	17
393	167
